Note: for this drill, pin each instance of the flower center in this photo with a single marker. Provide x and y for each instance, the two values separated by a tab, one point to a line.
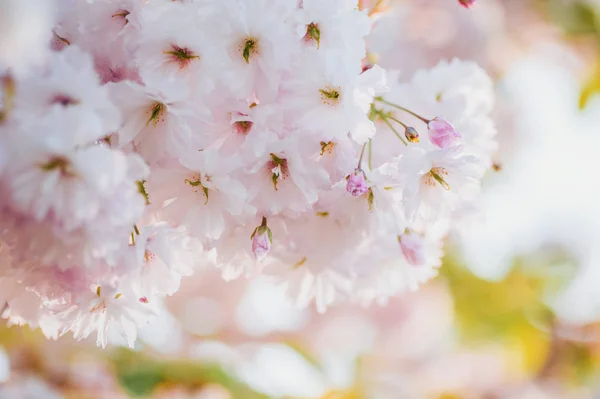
330	96
249	48
243	127
327	147
196	184
278	167
181	55
60	163
156	114
436	176
64	100
101	307
149	256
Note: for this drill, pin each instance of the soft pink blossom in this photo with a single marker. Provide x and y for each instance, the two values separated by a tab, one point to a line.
357	184
412	248
442	133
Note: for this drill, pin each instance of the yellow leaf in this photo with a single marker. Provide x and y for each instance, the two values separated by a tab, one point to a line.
591	86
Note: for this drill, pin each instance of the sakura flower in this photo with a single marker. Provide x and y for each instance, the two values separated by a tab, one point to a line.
334	27
287	179
439	178
316	259
453	89
202	195
187	53
69	93
165	255
240	126
258	45
69	185
102	308
233	251
159	121
100	28
338	157
396	271
333	100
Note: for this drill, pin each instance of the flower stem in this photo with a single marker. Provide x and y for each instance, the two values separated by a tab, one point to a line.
381	99
370	154
385	119
397	121
362	152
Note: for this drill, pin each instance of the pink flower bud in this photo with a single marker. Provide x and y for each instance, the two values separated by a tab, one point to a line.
412	248
357	184
442	134
466	3
261	241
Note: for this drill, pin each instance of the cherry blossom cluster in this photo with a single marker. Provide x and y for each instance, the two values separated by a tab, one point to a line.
253	136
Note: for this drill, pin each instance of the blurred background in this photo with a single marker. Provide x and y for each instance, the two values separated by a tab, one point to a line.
515	312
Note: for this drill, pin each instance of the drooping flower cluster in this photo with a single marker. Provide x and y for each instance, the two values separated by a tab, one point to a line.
157	133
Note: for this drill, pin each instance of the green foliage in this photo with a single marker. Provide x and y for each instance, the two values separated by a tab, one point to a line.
141	375
579	19
591	87
575	17
513	311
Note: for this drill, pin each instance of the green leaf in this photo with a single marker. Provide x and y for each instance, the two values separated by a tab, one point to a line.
141	375
591	87
576	18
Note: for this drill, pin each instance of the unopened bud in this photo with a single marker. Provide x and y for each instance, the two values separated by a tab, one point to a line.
442	133
411	134
261	241
357	184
